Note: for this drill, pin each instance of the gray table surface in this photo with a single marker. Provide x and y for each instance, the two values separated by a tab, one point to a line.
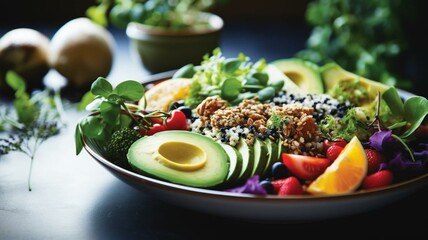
73	197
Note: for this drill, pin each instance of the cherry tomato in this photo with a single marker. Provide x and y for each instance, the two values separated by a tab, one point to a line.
305	167
176	120
156	120
156	128
142	131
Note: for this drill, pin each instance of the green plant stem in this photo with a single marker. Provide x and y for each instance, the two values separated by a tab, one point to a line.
30	173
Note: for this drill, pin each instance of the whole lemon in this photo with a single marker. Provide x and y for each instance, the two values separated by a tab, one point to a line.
82	51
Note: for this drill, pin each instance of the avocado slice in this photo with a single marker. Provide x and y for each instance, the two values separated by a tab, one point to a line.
260	156
334	77
272	147
235	159
247	153
304	74
181	157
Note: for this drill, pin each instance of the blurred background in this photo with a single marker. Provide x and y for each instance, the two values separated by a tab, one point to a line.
270	29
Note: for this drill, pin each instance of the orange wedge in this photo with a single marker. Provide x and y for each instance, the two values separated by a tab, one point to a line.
345	174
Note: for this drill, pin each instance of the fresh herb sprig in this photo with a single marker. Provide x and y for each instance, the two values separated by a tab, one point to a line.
108	104
37	118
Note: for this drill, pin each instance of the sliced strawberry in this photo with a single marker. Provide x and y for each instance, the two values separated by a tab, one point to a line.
378	179
374	159
290	186
278	183
305	167
333	151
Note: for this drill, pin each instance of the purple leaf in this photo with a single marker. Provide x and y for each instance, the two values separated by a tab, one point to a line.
251	186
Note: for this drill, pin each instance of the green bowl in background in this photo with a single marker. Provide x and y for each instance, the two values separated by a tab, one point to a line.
160	49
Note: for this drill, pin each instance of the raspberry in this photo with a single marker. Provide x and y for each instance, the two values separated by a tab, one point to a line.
333	151
378	179
290	186
374	159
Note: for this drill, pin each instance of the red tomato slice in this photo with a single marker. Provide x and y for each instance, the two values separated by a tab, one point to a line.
305	167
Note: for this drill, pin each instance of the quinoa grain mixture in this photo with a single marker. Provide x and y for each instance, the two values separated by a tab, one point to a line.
290	118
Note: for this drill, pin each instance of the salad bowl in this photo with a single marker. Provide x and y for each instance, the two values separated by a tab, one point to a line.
251	207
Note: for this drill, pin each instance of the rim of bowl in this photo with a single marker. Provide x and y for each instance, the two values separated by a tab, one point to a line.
137	30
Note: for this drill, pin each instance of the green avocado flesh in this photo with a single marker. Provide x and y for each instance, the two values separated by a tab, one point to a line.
235	159
273	153
260	157
181	157
247	153
303	73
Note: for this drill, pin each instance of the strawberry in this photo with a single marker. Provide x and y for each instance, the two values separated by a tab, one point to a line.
378	179
374	159
339	142
333	151
290	186
278	183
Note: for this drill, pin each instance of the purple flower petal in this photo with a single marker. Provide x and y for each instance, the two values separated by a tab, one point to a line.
252	186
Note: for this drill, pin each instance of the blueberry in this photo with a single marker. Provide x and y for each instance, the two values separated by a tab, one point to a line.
186	110
175	105
267	185
279	170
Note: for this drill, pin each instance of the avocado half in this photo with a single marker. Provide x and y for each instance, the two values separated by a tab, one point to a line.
304	74
334	76
181	157
275	73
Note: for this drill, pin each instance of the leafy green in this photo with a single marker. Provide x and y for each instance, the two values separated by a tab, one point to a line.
365	37
412	112
415	110
108	103
233	79
352	124
276	121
